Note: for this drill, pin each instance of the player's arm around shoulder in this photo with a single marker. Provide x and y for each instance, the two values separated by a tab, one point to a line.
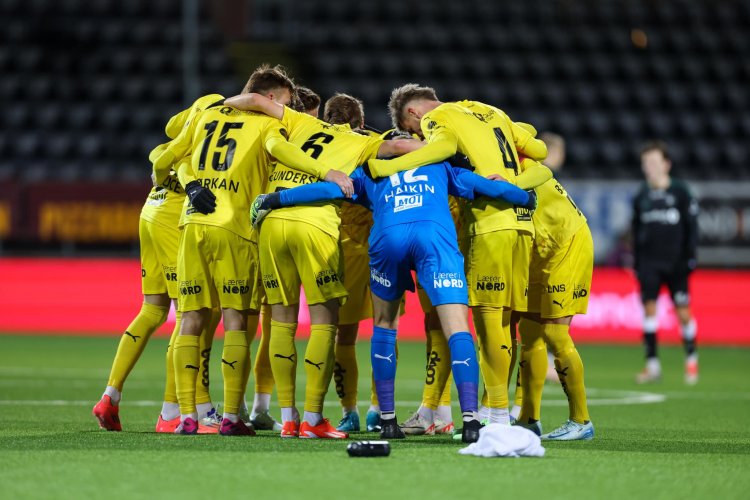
533	174
398	147
524	138
442	143
257	103
466	184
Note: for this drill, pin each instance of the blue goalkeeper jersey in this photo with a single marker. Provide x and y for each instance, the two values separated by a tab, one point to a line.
416	195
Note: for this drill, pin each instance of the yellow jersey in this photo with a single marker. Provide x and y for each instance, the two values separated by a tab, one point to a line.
164	202
228	155
487	137
557	218
335	145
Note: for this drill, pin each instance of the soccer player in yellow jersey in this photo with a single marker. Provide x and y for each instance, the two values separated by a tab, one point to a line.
299	247
306	101
217	261
495	236
560	273
159	236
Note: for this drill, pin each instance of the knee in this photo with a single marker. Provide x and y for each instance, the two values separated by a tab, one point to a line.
347	334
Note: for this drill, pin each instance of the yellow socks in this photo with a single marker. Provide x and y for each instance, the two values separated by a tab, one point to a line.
202	394
518	396
438	371
134	340
346	375
262	369
186	367
283	358
492	326
235	360
319	359
570	370
533	369
170	392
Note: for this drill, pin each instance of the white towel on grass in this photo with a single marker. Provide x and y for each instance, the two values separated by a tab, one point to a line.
498	440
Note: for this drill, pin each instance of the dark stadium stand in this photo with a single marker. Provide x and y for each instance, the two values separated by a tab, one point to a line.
567	66
88	84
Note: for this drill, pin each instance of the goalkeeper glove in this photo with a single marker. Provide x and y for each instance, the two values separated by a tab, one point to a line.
532	203
201	198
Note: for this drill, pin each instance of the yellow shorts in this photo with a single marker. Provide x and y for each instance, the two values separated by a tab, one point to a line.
560	282
293	254
159	245
358	306
497	268
217	268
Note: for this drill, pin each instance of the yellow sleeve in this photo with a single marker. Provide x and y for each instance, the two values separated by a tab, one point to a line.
175	124
177	148
371	151
185	172
178	121
289	154
525	142
158	150
533	174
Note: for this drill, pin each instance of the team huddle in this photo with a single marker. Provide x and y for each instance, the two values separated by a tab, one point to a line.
276	201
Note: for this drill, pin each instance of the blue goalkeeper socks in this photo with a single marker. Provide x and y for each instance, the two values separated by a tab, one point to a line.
383	358
465	369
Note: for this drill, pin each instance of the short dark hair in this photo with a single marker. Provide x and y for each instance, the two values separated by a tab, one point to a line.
266	78
309	99
404	94
656	145
343	108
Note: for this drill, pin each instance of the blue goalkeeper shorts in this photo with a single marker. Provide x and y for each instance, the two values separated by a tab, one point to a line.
425	247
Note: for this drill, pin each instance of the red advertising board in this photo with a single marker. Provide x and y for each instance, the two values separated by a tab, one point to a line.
101	296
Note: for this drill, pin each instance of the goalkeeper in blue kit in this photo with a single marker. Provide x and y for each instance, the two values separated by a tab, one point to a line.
413	230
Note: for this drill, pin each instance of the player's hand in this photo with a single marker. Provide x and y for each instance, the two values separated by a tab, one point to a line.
262	206
341	180
532	203
202	199
497	177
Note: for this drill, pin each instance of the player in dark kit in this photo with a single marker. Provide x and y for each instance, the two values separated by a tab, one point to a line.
665	237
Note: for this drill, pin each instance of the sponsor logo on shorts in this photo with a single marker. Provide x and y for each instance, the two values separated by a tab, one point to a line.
401	202
379	277
490	283
237	287
170	273
326	277
579	292
143	273
554	288
269	281
447	280
190	288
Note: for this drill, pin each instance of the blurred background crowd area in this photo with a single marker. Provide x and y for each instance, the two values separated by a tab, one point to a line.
88	85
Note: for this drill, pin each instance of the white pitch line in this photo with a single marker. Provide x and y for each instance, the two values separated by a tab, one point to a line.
614	398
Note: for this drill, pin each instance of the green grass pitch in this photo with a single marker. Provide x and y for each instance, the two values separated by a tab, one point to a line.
658	441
